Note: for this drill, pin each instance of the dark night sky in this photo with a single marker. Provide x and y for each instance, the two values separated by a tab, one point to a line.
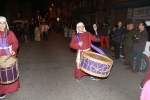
41	4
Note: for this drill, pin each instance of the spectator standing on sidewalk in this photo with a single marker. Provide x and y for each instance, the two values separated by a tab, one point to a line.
122	55
31	31
111	39
104	36
65	31
128	42
50	26
69	32
26	33
44	30
118	32
147	75
138	47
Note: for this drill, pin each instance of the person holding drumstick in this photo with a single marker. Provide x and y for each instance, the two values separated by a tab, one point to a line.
8	47
83	45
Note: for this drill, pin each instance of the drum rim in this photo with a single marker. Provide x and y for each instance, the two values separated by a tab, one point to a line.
9	82
94	74
110	62
8	65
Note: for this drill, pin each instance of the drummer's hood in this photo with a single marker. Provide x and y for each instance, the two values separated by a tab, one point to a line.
3	19
80	24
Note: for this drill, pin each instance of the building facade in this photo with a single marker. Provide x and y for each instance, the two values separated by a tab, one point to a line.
122	10
15	10
85	11
100	11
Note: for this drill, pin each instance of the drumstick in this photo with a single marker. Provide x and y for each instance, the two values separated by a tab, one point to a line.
8	58
95	28
96	32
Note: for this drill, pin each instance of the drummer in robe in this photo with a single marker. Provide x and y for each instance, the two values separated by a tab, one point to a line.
8	46
83	45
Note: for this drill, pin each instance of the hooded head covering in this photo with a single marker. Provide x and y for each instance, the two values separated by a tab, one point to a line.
80	24
3	19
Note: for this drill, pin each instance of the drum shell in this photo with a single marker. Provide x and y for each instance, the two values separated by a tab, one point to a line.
94	66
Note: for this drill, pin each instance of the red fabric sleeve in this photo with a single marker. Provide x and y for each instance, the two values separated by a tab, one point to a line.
74	43
12	40
93	38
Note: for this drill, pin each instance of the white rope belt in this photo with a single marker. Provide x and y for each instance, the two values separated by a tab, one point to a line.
10	48
78	56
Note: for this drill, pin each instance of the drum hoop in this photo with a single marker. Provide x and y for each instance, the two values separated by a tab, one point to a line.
9	82
93	59
8	65
94	74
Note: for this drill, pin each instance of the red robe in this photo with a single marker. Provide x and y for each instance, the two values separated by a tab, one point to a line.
147	76
10	39
86	38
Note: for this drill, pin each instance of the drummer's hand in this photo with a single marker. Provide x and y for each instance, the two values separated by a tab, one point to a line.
80	43
97	37
13	53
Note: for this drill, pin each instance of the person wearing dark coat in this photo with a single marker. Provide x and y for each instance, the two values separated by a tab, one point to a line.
138	47
111	39
31	31
128	42
118	32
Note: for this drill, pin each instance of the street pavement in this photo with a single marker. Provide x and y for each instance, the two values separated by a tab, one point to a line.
46	72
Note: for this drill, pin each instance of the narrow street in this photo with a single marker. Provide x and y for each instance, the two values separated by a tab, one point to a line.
47	73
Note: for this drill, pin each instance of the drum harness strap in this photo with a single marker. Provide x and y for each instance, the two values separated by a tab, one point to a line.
4	45
78	56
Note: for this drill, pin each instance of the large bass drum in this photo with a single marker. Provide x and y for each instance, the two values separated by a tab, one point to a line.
8	70
95	64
